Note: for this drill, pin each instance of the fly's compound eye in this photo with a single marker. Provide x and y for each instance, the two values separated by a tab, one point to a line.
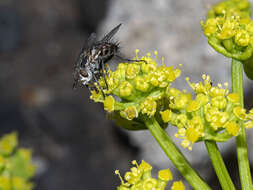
85	77
84	73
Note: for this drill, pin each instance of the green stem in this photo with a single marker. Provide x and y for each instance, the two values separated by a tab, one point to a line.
175	155
241	145
219	166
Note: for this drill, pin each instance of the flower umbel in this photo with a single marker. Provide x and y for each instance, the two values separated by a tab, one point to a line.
136	89
230	31
139	177
143	90
214	114
16	169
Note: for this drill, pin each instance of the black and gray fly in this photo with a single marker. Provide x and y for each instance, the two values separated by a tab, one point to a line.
90	65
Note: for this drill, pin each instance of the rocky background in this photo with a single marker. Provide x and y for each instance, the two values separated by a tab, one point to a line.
74	145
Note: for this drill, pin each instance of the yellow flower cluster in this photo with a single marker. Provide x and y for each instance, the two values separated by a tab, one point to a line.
139	177
214	114
140	86
143	89
15	167
229	29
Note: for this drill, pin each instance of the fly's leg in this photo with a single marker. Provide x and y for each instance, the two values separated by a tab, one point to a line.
100	88
106	70
130	60
103	73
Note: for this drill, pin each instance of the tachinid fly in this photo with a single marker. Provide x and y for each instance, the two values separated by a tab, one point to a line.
90	65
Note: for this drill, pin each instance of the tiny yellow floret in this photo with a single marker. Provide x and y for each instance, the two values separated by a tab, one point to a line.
109	103
240	113
178	185
165	175
131	112
166	115
233	97
232	128
193	106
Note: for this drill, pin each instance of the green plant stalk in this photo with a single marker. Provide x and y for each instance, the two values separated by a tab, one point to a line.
219	166
241	144
175	155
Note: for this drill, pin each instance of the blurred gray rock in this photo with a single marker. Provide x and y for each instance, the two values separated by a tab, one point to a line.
173	28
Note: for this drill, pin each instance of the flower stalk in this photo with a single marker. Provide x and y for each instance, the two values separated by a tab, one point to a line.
241	144
174	154
219	166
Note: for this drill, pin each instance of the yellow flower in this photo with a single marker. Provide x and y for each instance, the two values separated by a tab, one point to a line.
219	101
96	96
228	29
125	89
8	143
165	175
248	124
193	106
131	112
166	115
148	106
210	26
240	113
149	184
132	70
233	97
178	185
192	134
232	128
5	183
242	38
109	103
140	178
141	84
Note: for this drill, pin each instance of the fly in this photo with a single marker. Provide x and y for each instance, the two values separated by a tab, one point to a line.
90	65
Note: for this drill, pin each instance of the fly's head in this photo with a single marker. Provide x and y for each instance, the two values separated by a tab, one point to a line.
83	72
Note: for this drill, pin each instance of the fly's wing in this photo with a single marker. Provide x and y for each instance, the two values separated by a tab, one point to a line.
109	36
77	70
91	40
